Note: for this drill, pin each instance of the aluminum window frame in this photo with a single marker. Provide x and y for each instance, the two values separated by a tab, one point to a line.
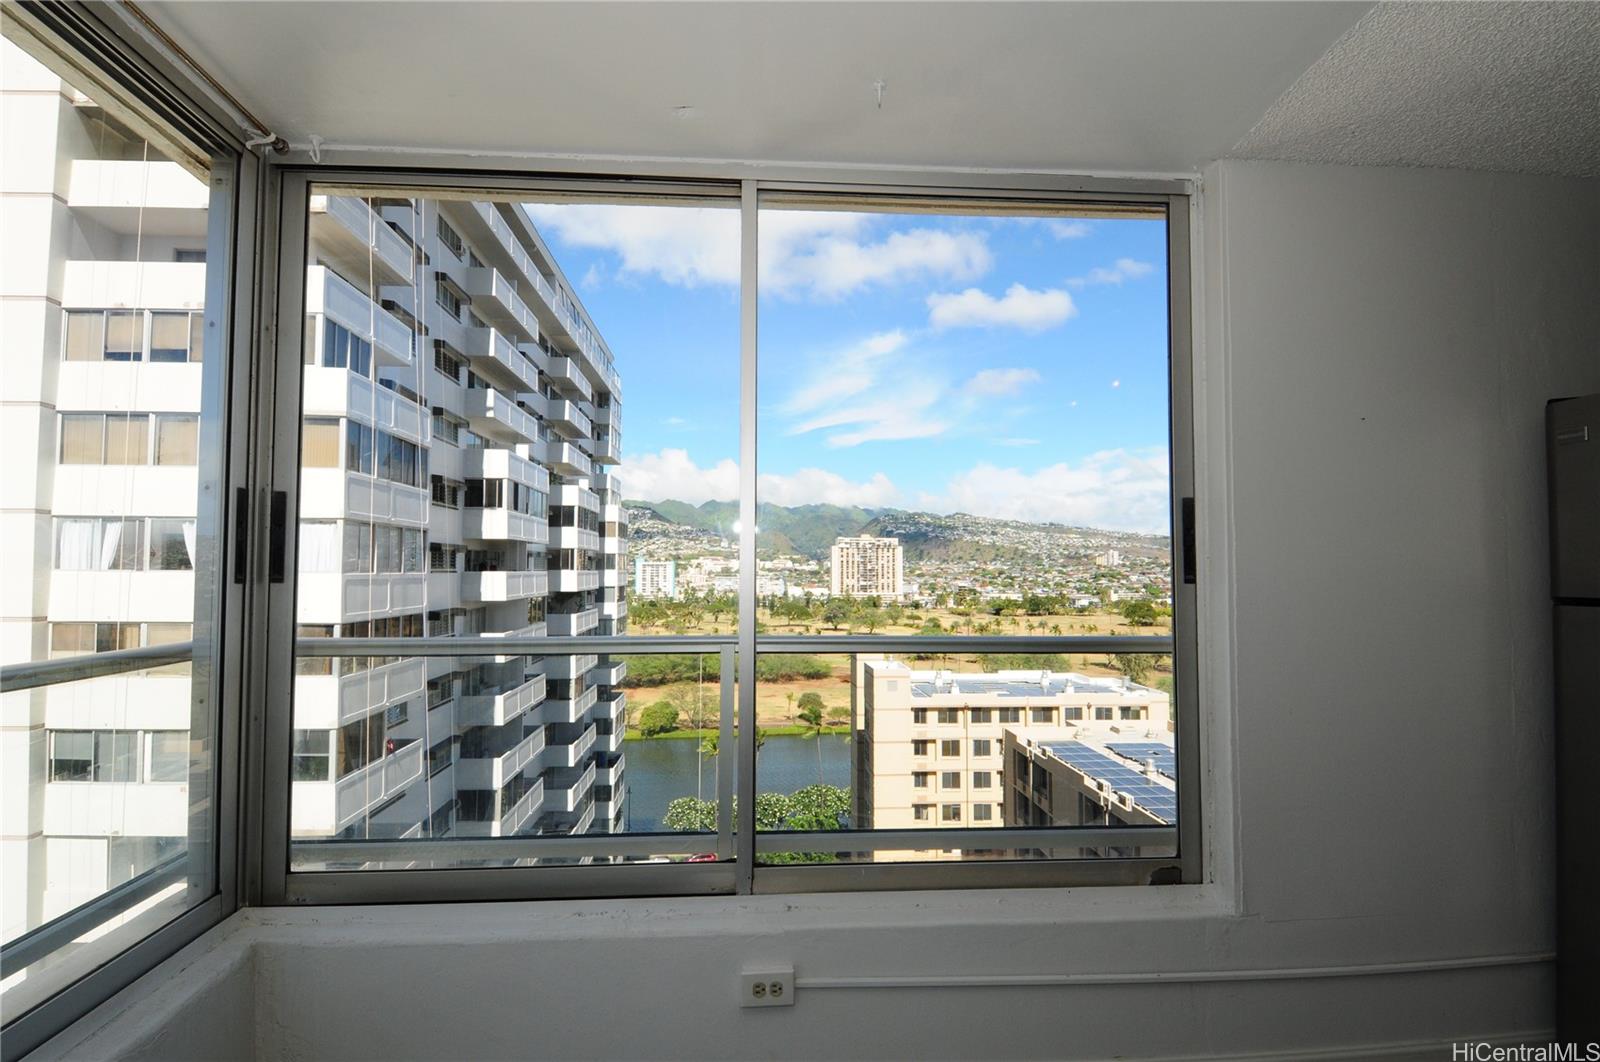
87	37
273	882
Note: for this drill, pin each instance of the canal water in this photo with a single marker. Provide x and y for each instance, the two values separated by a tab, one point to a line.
662	770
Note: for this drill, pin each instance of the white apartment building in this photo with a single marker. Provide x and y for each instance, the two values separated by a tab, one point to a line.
655	578
930	745
460	415
867	566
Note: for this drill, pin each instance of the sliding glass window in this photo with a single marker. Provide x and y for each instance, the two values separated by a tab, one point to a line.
110	509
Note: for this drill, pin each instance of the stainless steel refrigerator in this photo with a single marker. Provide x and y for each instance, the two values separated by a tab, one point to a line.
1573	439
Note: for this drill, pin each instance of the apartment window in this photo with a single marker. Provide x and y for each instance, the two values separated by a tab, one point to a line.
950	780
319	546
981	746
982	813
443	558
446	429
446	364
85	336
440	690
98	544
452	239
357	547
319	443
950	748
396	714
1072	711
313	756
440	755
1129	712
921	748
177	439
71	755
127	438
358	447
921	779
919	716
981	715
172	545
1042	715
124	335
949	716
343	349
446	297
920	812
982	779
189	254
177	336
1102	711
1010	715
445	492
950	812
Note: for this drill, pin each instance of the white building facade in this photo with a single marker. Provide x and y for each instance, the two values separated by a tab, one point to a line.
655	578
866	566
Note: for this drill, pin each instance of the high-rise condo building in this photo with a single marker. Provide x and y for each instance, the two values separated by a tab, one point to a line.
866	566
460	413
655	578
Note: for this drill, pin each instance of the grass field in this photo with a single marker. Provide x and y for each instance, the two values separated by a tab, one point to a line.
777	701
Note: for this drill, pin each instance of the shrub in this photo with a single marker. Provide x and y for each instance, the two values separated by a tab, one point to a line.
658	718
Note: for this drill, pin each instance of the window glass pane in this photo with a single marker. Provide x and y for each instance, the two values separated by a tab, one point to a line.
169	337
96	573
124	336
86	333
127	438
177	439
82	438
521	389
197	336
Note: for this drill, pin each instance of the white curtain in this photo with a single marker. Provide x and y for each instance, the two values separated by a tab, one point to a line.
188	540
109	541
75	551
319	546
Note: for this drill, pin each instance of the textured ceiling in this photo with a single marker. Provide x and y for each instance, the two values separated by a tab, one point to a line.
1489	86
1077	87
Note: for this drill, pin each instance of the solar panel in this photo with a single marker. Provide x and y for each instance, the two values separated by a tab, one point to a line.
1154	798
1166	760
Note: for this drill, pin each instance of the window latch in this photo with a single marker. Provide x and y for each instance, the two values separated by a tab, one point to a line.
1188	540
277	535
241	533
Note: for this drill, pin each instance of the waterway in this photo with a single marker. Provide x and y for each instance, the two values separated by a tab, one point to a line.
663	769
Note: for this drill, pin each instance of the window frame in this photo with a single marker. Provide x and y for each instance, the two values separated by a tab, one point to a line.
398	174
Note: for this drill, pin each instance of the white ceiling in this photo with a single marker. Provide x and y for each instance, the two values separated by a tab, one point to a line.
1084	87
1495	86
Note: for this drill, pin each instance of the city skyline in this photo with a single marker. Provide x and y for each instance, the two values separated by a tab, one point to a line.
1013	367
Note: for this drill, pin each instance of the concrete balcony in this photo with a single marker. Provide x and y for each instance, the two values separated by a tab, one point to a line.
610	775
147	700
494	463
609	673
566	375
612	742
532	630
342	393
609	415
611	576
565	581
585	820
103	285
332	597
327	702
566	667
497	709
523	811
566	795
566	418
563	710
321	808
607	450
496	358
495	299
495	768
503	525
503	586
330	294
495	416
163	596
115	192
347	233
619	797
114	809
492	237
332	494
567	460
574	495
613	708
574	538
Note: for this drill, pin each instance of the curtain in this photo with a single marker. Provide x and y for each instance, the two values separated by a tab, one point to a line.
188	539
110	540
319	546
75	549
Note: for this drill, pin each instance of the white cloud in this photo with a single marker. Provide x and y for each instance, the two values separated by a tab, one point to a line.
1069	230
1123	269
672	474
1114	489
1014	441
801	252
849	373
1021	307
1001	382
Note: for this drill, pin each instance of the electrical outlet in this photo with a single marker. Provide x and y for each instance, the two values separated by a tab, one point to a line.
771	986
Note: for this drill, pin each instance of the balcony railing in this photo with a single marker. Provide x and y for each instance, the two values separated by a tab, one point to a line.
572	624
352	236
503	586
496	358
495	299
495	416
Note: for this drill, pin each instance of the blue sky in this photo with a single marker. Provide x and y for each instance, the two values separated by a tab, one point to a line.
1011	367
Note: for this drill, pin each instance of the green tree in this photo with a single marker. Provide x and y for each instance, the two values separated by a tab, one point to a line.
836	613
1139	613
1136	666
660	718
811	714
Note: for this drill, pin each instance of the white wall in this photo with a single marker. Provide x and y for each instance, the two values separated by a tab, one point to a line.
1379	346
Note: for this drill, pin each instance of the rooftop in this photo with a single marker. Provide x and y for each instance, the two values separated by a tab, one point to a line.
1019	684
1142	767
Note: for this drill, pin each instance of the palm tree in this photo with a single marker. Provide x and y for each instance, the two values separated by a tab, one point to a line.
811	714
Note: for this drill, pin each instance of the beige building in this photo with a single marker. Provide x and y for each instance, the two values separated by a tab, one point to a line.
931	748
866	566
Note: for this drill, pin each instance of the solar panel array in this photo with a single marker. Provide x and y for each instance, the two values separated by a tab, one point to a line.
1165	758
1148	794
1010	688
